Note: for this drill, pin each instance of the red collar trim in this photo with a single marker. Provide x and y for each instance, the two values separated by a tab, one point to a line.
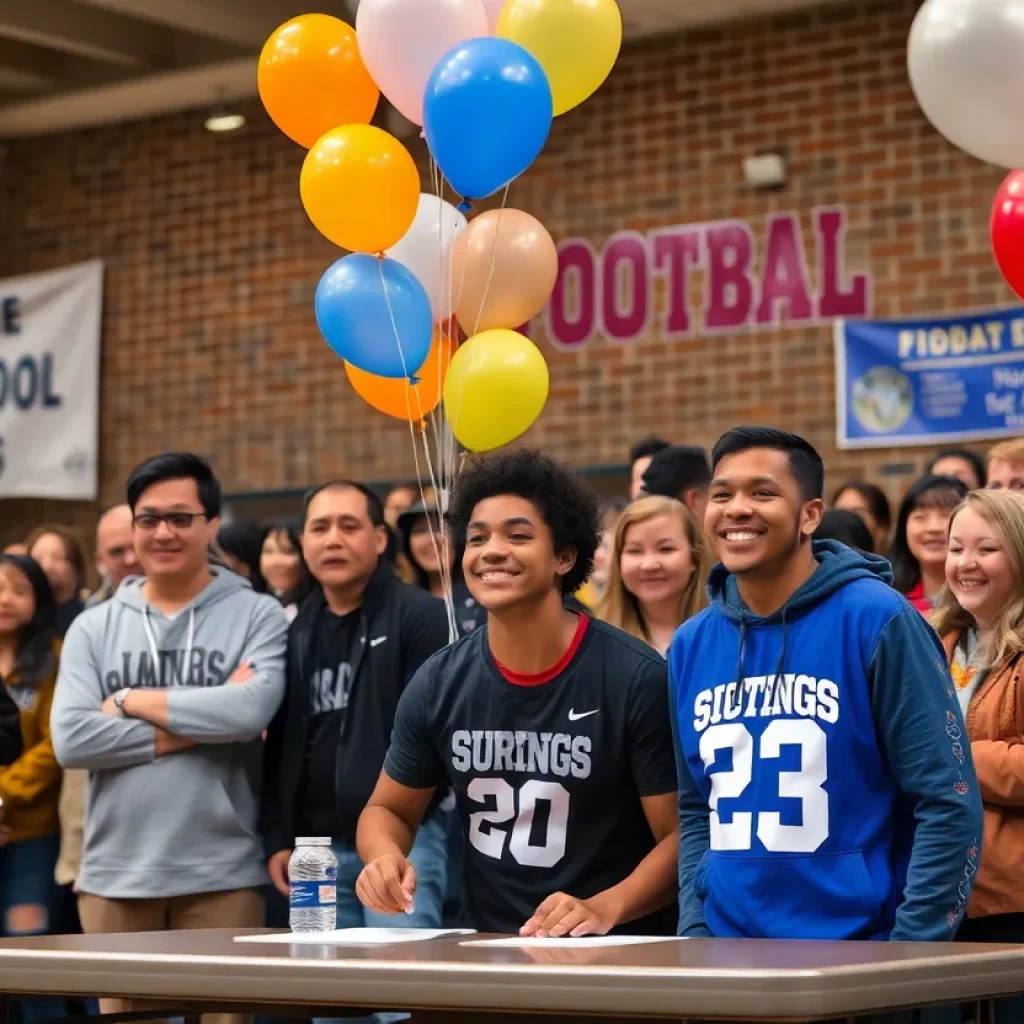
521	679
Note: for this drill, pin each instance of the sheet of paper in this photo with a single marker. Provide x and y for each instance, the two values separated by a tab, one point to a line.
355	936
588	942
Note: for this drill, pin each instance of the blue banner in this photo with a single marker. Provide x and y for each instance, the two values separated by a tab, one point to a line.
910	382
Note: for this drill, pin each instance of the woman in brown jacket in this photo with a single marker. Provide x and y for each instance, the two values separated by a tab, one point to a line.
980	618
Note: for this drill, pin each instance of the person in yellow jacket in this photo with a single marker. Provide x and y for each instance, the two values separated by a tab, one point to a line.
30	785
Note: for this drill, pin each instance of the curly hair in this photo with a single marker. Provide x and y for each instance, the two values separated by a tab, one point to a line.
566	504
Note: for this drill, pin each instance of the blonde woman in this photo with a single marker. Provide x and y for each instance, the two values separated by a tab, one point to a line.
980	618
656	572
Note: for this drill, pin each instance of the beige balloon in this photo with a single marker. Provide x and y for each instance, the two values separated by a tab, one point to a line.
508	258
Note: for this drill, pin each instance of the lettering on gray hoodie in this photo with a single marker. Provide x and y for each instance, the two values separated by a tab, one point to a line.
184	823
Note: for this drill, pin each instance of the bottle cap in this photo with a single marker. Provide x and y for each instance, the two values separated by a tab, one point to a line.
313	841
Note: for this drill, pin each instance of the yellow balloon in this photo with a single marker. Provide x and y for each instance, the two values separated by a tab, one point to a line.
496	388
576	41
360	187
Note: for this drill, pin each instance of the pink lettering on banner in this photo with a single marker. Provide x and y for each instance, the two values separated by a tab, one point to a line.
729	291
624	277
785	279
613	293
675	251
833	302
576	267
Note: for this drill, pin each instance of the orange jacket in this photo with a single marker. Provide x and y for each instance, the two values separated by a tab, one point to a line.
995	725
30	787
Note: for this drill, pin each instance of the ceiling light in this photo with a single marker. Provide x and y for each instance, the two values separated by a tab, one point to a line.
222	121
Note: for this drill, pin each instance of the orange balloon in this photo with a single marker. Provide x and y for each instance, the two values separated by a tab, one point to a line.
399	398
311	78
360	187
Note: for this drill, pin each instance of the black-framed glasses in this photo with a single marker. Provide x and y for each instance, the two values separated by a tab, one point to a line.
149	521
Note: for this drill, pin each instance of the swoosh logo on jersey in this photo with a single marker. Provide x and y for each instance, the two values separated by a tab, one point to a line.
573	717
377	641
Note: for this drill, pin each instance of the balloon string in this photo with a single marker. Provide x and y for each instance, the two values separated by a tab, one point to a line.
449	602
494	262
446	444
435	183
444	354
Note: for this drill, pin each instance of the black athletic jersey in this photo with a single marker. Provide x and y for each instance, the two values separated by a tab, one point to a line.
548	778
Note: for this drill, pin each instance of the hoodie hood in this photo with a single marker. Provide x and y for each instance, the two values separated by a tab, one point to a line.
838	565
224	584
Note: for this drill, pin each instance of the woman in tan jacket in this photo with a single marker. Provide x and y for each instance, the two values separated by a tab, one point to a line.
980	618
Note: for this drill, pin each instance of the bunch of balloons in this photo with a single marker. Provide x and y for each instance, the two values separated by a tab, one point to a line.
484	78
963	62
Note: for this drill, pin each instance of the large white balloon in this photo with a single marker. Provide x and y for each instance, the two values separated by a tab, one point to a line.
402	41
426	250
966	64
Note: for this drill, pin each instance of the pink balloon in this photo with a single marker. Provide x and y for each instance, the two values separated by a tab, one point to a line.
493	10
402	41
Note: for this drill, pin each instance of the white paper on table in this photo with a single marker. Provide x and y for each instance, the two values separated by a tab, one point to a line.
587	942
355	936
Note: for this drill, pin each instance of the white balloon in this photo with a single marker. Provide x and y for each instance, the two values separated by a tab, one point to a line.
966	64
426	250
402	41
493	10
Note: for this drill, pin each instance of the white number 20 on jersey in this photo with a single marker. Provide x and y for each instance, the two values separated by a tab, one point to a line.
804	785
492	842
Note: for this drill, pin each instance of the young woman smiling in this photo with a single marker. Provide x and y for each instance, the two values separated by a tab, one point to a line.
980	618
656	572
918	552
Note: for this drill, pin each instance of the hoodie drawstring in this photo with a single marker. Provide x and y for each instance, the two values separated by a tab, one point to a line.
781	666
769	694
151	638
737	697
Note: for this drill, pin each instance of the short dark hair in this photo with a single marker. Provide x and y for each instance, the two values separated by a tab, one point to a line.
928	492
175	466
977	463
374	506
874	497
846	527
804	461
243	539
677	469
647	448
567	505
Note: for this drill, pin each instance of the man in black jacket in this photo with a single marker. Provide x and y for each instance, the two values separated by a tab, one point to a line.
355	643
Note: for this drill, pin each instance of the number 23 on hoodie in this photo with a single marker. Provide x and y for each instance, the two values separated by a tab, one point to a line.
830	794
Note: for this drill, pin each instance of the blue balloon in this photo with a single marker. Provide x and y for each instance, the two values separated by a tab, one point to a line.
352	310
486	115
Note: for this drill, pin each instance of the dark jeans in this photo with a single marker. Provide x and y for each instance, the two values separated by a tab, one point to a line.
26	880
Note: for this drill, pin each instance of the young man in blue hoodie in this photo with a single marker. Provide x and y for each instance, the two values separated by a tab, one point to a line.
826	785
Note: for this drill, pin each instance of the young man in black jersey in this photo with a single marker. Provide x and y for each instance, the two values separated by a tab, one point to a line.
552	728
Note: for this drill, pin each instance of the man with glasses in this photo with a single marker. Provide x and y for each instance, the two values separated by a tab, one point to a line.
1006	466
163	696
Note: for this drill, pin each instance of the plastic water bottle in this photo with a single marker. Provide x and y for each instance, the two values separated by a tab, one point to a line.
313	877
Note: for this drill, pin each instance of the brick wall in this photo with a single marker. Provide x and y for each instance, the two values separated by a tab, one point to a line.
209	337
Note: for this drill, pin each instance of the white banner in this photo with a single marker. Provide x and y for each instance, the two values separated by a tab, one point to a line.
50	383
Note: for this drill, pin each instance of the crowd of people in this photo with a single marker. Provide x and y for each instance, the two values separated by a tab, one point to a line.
713	708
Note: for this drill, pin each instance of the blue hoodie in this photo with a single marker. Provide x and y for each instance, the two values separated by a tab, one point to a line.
832	795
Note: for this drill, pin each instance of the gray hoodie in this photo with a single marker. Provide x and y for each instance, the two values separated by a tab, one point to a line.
184	823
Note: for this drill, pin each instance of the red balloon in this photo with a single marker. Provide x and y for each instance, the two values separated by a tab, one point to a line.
1008	230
